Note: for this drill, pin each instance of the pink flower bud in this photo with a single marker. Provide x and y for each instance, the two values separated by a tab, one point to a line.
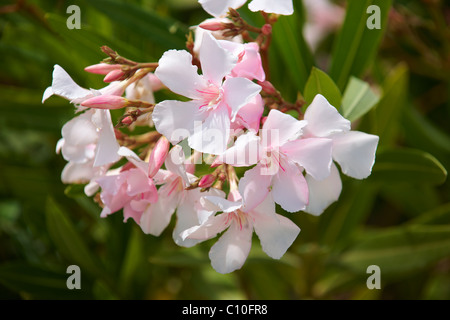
268	88
207	181
266	29
127	120
212	25
106	102
102	68
114	75
158	156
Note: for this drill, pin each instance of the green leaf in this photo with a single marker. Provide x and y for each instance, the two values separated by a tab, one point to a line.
387	114
422	134
180	258
296	58
38	282
87	41
320	83
69	242
340	222
163	31
399	250
439	215
358	99
408	165
356	44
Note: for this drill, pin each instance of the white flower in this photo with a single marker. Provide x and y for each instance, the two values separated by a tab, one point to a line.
219	8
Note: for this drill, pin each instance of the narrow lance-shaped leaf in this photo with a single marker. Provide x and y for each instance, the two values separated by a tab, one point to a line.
399	250
388	113
408	165
68	241
357	45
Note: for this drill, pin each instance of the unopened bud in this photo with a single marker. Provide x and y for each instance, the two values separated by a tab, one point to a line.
106	102
268	88
114	75
207	181
127	121
102	68
158	155
212	25
266	29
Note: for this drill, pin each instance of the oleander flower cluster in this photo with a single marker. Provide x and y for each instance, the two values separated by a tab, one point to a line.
225	115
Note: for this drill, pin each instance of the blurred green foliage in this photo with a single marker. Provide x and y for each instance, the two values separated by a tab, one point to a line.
399	218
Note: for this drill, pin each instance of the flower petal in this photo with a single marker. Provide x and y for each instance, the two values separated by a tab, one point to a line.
209	229
249	116
175	164
64	86
280	128
250	66
254	187
244	153
289	188
212	135
133	158
176	71
187	217
77	172
232	249
223	205
216	61
323	119
108	146
238	92
219	8
157	217
323	193
284	7
276	232
355	153
175	119
312	154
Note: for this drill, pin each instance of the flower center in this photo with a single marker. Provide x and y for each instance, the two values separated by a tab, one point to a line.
211	97
240	217
274	159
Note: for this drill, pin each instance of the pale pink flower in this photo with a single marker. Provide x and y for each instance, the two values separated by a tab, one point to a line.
132	190
206	119
354	151
323	17
219	35
173	196
89	137
65	87
281	154
219	8
249	64
276	232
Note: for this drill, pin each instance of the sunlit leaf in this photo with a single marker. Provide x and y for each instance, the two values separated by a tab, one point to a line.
320	83
358	99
